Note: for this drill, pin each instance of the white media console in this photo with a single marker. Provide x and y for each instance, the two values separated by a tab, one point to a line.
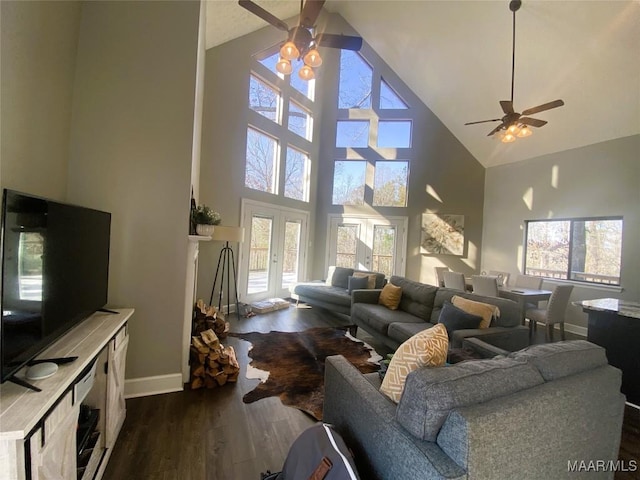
39	430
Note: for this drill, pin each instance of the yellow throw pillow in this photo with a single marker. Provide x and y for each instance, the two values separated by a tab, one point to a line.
427	348
390	296
371	278
484	310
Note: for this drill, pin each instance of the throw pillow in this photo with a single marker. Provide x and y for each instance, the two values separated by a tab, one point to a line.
485	310
357	283
371	277
341	276
454	318
390	296
426	348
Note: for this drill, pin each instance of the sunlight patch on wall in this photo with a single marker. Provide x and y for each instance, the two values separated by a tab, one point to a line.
554	176
472	256
520	256
353	154
527	198
432	192
550	214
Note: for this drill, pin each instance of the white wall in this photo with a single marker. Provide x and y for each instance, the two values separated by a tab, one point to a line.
37	65
131	154
598	180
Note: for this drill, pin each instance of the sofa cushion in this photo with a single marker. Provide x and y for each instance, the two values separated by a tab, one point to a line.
402	331
430	394
427	348
417	298
561	359
485	310
390	296
340	277
371	278
510	313
454	318
358	283
325	293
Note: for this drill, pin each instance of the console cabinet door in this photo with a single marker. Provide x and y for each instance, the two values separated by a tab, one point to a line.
116	407
54	457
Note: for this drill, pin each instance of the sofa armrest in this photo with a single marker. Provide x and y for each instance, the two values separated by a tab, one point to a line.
506	338
366	420
365	296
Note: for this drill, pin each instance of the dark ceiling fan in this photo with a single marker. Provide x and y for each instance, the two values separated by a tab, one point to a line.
513	122
303	35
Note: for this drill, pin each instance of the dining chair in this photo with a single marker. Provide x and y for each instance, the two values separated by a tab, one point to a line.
554	313
439	278
454	280
503	277
486	285
528	281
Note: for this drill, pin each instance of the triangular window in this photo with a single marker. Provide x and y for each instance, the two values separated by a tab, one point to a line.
389	99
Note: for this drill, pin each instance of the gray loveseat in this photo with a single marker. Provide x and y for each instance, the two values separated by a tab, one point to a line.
333	293
420	308
530	415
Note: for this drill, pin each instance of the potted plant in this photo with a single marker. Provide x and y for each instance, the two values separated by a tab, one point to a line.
205	219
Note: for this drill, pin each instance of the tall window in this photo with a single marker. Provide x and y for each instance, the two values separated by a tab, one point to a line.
582	249
279	133
374	127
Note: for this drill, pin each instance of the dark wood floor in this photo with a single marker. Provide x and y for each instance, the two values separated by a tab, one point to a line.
213	435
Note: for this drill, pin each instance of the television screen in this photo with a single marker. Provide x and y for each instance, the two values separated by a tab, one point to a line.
55	269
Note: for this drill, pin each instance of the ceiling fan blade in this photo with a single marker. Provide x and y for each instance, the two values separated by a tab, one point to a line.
263	14
345	42
310	12
534	122
484	121
507	106
543	107
496	130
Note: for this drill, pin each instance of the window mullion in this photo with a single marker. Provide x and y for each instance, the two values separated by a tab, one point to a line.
570	259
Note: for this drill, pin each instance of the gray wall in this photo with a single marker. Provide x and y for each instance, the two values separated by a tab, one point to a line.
98	110
39	44
440	161
597	180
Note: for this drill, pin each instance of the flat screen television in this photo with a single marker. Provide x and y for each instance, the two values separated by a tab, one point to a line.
55	270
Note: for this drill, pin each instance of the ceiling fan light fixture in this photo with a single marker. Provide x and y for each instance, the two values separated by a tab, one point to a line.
313	58
284	66
306	73
525	132
289	51
508	138
513	129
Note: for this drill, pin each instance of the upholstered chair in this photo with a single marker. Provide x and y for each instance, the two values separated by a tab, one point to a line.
454	280
439	278
528	281
554	313
503	277
486	285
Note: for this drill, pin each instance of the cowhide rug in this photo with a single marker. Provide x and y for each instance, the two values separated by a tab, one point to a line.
295	364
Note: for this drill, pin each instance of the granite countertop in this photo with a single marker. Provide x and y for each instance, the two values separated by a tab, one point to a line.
621	307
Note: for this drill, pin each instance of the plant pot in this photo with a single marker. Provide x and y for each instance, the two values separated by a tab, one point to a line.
205	230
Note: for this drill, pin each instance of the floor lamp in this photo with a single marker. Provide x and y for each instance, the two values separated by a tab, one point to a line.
226	263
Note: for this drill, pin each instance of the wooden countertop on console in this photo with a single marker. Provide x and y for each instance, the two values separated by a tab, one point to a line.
21	408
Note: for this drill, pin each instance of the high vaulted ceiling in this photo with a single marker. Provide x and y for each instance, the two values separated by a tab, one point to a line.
456	56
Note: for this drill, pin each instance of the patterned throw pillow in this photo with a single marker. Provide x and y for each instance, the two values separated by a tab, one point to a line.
485	310
426	348
390	296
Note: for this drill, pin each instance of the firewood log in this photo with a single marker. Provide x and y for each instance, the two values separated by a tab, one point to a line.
198	371
210	382
196	383
210	339
200	345
221	378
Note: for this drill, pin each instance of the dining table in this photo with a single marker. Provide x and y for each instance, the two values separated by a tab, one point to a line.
523	296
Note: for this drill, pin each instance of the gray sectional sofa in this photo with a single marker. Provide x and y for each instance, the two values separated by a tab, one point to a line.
332	293
420	308
529	415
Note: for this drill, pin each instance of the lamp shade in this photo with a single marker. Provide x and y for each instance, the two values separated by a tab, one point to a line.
228	234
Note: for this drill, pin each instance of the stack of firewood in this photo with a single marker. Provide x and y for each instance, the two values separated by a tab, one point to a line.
209	317
212	364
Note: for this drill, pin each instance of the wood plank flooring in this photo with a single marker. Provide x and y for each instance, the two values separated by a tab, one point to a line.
213	435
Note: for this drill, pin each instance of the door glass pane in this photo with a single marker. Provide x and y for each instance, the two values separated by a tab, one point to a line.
347	244
291	253
384	243
259	254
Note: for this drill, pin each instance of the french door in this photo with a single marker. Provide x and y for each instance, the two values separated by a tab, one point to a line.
371	243
273	255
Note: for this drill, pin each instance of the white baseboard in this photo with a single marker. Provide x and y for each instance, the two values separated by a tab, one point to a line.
143	387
